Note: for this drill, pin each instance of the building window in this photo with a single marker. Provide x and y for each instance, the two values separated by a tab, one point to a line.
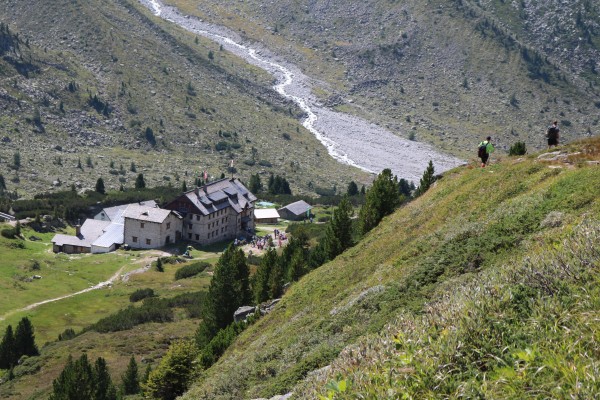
168	225
189	226
191	216
197	218
148	241
134	239
208	236
142	225
189	235
197	237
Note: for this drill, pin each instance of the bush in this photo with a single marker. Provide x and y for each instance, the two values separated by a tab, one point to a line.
9	233
67	334
188	271
141	294
517	149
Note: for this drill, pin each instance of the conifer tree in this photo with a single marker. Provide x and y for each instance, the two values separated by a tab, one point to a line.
352	189
75	382
172	376
297	266
427	180
100	186
25	339
381	200
131	380
338	234
104	389
139	182
2	183
255	185
260	280
7	347
229	289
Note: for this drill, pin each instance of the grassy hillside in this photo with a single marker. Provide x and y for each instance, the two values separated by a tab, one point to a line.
444	72
104	84
66	274
483	275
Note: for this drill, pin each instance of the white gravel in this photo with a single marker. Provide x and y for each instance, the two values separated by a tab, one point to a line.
348	139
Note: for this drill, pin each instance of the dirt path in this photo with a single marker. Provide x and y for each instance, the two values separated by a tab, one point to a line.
100	285
348	139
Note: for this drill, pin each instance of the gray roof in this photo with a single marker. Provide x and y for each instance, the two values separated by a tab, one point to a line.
263	213
220	194
114	233
91	230
115	214
145	213
297	208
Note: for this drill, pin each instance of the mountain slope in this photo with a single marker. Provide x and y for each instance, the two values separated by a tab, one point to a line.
113	83
443	72
462	231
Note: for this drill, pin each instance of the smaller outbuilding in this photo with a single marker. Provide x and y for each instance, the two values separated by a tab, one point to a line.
266	216
296	211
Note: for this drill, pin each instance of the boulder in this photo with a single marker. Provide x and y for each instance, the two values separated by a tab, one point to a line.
243	312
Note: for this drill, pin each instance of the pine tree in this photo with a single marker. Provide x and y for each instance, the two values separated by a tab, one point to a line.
260	280
404	188
427	180
131	380
297	266
229	289
381	200
255	185
159	265
25	339
2	183
172	376
75	382
139	182
184	187
132	168
103	387
100	186
338	234
352	189
7	347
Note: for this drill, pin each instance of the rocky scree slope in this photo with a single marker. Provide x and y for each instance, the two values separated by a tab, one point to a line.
444	72
103	72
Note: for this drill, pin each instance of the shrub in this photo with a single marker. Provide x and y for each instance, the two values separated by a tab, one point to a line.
188	271
67	334
9	233
141	294
265	163
517	149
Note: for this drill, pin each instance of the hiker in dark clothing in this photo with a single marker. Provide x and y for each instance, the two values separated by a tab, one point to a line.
485	149
553	134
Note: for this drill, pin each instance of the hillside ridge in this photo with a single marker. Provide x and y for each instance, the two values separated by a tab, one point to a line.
472	223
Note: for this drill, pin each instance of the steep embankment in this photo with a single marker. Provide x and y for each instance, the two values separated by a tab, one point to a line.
426	263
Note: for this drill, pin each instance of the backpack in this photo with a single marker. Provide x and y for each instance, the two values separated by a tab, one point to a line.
552	132
482	150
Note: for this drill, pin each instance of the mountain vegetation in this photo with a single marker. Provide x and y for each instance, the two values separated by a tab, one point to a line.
477	283
458	290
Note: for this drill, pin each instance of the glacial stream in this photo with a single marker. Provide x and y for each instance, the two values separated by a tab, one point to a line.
348	139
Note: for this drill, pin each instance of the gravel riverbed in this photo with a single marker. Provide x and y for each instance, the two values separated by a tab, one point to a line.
348	139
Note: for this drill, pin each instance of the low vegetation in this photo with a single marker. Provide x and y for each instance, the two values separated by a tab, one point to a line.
466	265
